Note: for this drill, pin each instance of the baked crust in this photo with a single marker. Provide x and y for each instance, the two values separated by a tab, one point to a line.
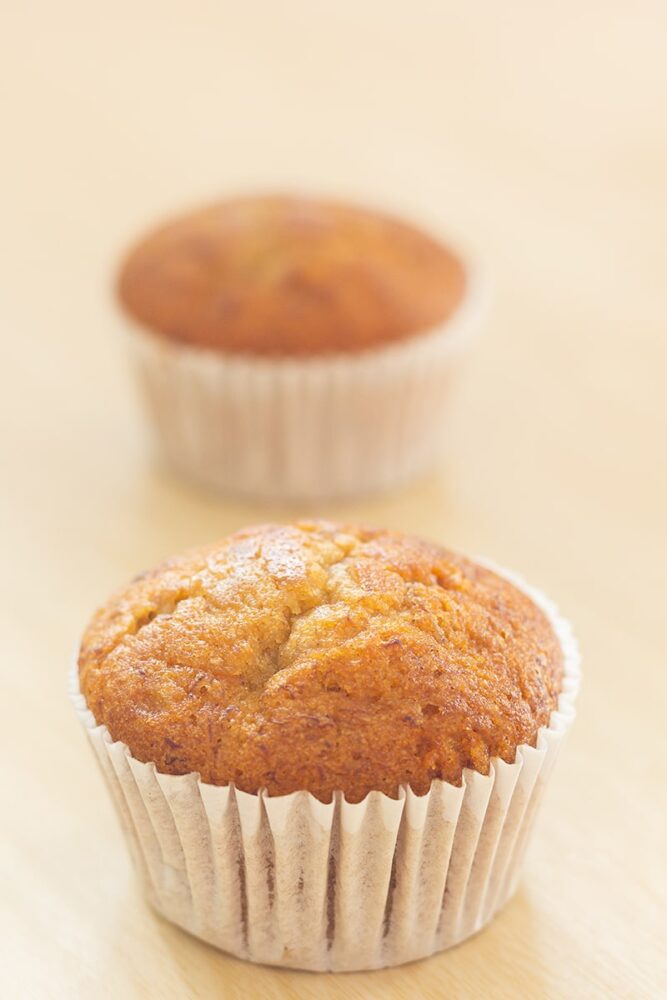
289	276
321	657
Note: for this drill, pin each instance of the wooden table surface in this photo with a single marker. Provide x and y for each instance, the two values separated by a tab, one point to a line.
536	134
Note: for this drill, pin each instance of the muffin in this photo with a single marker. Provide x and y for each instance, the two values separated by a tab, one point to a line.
296	348
326	743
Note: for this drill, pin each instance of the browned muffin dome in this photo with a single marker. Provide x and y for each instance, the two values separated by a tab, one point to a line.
321	657
289	276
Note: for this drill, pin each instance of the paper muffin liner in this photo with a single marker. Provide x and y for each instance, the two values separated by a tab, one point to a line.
292	881
303	428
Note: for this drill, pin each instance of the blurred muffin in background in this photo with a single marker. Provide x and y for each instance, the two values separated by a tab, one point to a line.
296	348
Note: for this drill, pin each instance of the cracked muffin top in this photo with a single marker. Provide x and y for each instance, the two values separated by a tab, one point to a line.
282	275
321	657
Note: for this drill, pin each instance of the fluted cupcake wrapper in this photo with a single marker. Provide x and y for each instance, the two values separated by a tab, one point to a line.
281	428
292	881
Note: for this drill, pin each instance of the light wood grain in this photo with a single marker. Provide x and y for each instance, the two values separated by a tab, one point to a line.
536	133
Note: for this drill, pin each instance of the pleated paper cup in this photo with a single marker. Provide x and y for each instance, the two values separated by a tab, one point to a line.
292	881
303	428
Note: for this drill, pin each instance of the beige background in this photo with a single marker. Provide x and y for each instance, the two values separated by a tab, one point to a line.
536	133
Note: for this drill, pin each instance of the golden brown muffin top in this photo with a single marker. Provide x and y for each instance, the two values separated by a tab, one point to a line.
321	657
289	276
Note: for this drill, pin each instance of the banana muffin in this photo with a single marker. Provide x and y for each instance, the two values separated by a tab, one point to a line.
290	347
321	657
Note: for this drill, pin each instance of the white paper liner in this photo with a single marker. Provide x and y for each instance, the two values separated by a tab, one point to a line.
303	428
292	881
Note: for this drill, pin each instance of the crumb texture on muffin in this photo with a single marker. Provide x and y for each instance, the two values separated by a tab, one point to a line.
321	657
282	275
